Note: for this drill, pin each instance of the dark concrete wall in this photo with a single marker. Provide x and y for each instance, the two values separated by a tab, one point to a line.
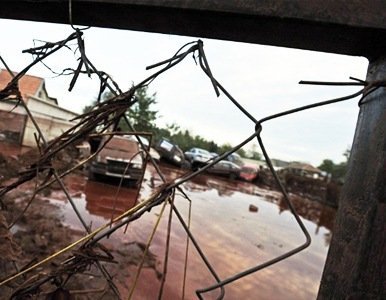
355	27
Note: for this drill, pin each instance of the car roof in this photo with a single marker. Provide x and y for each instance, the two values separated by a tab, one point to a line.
144	140
200	149
250	166
229	163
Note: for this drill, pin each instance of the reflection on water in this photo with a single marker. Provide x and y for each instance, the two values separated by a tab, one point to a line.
232	237
106	200
316	212
319	214
12	149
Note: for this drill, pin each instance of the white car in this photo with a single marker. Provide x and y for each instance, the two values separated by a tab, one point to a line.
198	156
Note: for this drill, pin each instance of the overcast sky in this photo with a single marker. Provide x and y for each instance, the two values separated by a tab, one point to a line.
263	79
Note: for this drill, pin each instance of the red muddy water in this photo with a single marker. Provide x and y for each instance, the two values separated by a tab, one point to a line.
232	237
9	149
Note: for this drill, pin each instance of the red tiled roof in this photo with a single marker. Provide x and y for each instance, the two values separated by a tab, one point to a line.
28	85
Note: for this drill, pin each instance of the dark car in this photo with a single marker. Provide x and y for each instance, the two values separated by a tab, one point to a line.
171	153
235	158
119	158
225	168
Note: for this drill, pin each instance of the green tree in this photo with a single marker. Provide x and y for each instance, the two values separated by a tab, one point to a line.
88	108
253	153
212	147
224	148
241	152
346	154
106	95
340	171
327	166
173	128
337	171
141	115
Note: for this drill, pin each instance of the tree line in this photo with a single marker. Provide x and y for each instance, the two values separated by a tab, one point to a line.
336	171
142	117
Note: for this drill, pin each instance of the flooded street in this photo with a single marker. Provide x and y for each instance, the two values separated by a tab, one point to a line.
232	236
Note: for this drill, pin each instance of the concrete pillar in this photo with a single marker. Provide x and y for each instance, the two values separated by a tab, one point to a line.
356	264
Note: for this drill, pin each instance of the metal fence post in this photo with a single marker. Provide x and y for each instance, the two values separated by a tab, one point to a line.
356	264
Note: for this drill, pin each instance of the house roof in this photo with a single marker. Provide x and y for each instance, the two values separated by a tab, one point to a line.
304	167
28	85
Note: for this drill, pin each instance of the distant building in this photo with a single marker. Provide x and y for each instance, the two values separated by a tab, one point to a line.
279	164
15	126
303	169
260	164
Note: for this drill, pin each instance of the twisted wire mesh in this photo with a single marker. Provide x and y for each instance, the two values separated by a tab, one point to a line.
103	120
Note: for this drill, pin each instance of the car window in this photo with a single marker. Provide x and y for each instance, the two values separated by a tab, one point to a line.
166	145
122	144
224	164
201	151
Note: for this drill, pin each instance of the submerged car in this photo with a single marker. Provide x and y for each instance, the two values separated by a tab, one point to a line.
225	168
249	172
235	158
171	153
152	152
198	157
120	157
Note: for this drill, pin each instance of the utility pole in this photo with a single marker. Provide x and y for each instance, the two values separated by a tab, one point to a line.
356	262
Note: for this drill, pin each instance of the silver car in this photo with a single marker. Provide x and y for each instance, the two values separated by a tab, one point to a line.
198	156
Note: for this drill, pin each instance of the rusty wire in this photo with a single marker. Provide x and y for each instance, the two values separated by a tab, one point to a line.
106	116
80	261
49	150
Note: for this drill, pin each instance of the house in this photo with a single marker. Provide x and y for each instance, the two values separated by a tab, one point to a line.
303	169
279	164
17	127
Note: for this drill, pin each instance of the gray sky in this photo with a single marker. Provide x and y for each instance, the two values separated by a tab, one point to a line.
264	79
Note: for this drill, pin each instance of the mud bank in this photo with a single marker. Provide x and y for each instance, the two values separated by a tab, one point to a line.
32	229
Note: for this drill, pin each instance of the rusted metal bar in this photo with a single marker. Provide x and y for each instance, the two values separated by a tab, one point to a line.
355	266
338	26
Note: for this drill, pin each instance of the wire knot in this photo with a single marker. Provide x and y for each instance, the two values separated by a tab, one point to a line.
370	87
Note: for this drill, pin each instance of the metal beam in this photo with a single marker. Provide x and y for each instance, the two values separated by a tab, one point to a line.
356	27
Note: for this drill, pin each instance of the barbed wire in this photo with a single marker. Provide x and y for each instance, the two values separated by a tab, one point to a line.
103	120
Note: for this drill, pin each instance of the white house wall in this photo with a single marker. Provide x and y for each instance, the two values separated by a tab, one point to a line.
52	120
41	107
17	127
12	108
50	127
